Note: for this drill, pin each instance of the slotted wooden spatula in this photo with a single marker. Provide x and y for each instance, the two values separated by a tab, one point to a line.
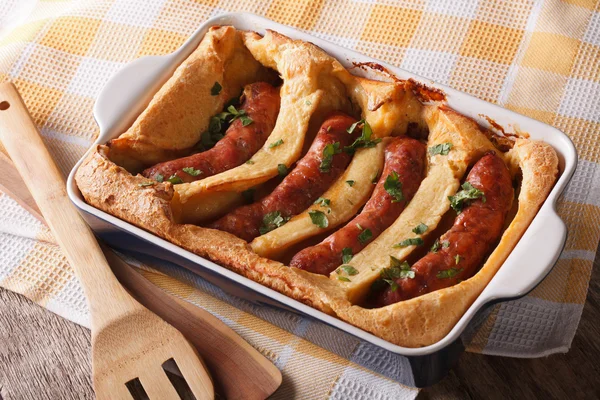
129	342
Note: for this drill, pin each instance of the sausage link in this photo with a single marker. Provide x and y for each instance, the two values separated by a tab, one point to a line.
405	157
261	103
464	247
301	187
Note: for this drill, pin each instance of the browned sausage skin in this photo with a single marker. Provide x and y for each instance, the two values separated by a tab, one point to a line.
261	103
404	157
300	188
463	248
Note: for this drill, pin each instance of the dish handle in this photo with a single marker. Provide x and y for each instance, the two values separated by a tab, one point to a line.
134	84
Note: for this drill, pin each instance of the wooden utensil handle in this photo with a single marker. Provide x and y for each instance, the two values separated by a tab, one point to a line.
45	182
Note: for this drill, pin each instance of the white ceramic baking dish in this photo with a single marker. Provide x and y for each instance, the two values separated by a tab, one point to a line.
129	91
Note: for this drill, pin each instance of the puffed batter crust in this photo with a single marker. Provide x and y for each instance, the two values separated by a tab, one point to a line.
314	84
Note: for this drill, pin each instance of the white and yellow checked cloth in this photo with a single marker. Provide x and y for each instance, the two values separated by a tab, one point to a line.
539	58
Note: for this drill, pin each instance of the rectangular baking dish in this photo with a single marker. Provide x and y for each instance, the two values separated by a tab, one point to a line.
128	92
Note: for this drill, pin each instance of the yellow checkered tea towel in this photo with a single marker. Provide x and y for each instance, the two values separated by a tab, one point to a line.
539	58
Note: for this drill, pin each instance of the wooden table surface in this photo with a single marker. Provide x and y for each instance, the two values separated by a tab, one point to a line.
43	356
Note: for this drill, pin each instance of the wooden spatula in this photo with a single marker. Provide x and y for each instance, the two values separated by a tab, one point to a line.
129	342
239	371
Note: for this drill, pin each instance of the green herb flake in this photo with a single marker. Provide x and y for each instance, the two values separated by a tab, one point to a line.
365	236
144	184
442	148
393	186
350	183
175	180
445	244
397	270
457	259
328	152
275	144
448	273
420	229
308	103
329	128
248	196
323	202
319	218
348	269
159	178
343	278
246	120
272	221
409	242
346	255
436	246
191	171
216	89
468	192
365	138
250	162
282	170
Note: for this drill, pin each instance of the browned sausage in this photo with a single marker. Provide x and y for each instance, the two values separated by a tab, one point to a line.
261	104
464	247
304	184
406	158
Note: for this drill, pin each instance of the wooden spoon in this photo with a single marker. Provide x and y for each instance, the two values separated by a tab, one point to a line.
239	371
129	342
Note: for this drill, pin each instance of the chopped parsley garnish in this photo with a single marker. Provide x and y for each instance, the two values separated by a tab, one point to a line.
409	242
365	138
328	152
191	171
216	89
397	270
248	196
437	245
275	144
447	273
144	184
319	218
159	178
457	258
343	278
246	120
420	229
365	235
323	202
271	221
175	180
282	170
219	123
469	192
393	186
442	148
329	128
346	255
350	183
348	269
250	162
